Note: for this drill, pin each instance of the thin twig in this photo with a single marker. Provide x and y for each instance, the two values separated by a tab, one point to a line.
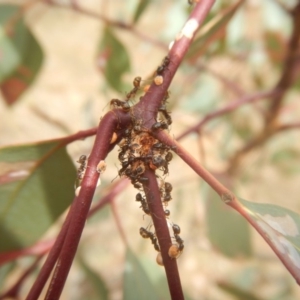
113	23
227	109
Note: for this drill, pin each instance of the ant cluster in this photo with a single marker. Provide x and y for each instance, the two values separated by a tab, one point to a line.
140	151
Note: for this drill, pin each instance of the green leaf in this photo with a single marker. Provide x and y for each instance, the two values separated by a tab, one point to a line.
21	55
137	285
227	231
141	7
100	291
212	31
115	57
280	227
36	186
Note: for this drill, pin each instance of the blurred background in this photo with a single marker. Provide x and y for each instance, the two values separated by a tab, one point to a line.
239	52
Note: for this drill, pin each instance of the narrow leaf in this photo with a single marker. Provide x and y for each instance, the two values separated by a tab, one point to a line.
36	186
212	31
137	285
227	231
115	61
21	55
280	227
140	9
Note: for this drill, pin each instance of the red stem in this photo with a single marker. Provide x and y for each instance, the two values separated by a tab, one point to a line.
108	125
49	264
162	232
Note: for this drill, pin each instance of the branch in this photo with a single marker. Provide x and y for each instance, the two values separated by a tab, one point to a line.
232	86
49	264
107	21
162	232
284	83
108	125
148	106
227	109
287	77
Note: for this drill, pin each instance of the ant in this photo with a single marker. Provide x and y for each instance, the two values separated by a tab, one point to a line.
168	157
159	125
123	152
144	204
167	213
176	229
119	103
163	66
81	170
179	240
136	86
167	197
148	234
165	113
168	187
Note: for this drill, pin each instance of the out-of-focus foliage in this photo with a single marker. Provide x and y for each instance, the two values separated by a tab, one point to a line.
239	51
113	69
36	186
21	55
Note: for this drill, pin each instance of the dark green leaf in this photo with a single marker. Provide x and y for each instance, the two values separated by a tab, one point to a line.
141	7
21	55
227	231
100	291
115	57
36	186
280	227
137	285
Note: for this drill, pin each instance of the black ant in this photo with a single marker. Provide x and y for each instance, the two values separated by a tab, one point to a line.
137	185
176	229
119	103
168	187
148	234
167	197
179	240
165	113
136	86
81	170
168	157
167	213
159	125
163	66
144	204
